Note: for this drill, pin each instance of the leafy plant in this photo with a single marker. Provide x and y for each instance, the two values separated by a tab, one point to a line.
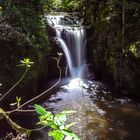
26	63
73	5
18	99
23	63
17	103
57	123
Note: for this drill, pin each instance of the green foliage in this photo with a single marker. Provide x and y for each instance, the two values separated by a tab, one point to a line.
26	63
40	110
56	135
18	99
27	17
133	48
72	5
17	103
51	5
63	5
57	123
28	133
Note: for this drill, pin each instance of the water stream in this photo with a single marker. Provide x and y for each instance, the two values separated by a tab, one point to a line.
72	39
100	115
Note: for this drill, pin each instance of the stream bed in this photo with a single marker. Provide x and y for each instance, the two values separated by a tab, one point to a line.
100	116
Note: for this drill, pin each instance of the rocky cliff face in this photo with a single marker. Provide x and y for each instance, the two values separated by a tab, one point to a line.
113	62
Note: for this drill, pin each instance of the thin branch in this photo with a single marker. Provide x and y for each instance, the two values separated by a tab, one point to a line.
33	110
14	126
40	95
14	85
37	129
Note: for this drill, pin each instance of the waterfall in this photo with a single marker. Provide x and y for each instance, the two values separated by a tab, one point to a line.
72	38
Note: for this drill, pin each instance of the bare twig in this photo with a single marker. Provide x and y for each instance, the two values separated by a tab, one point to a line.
7	93
14	126
43	93
5	114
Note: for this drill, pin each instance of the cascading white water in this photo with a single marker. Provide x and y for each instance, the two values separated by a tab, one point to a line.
65	49
72	38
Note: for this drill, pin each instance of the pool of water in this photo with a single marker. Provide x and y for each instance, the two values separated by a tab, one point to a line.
100	116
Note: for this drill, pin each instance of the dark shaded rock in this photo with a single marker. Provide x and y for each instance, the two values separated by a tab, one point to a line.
14	46
112	64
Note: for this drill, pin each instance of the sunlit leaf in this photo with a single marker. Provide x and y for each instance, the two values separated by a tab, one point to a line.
22	62
28	133
52	125
18	99
13	104
57	124
31	62
25	63
61	127
40	110
56	135
60	119
20	65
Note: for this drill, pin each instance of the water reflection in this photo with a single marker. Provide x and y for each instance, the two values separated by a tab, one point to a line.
100	115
